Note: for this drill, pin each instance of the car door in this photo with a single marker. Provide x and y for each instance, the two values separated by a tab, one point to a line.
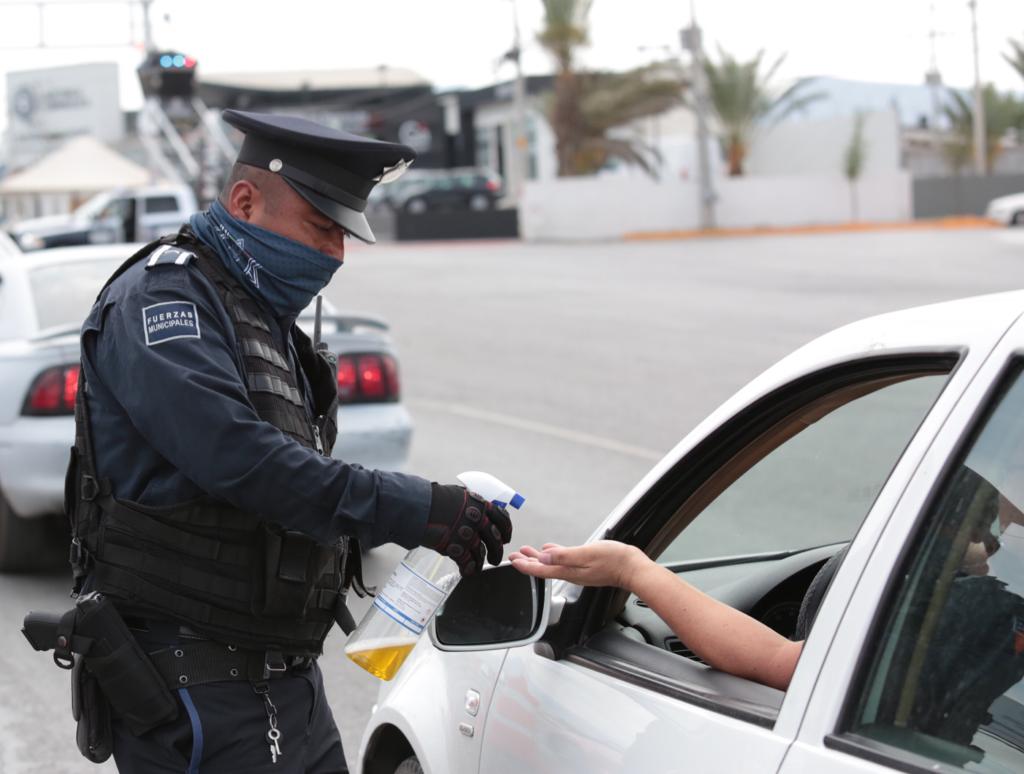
114	221
749	514
923	671
159	213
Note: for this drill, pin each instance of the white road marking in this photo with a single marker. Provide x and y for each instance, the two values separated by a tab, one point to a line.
540	428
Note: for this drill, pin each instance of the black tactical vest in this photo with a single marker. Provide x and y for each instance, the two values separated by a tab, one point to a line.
233	576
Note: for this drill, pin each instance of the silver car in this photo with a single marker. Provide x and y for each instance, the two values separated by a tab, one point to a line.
43	301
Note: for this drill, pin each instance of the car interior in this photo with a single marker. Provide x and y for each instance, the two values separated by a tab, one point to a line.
758	516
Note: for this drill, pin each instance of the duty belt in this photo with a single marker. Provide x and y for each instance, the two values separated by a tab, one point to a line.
204	661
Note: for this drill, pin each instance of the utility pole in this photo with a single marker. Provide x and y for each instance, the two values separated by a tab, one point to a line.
147	27
979	103
691	39
520	145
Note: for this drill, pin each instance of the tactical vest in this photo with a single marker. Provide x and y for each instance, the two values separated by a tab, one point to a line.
233	576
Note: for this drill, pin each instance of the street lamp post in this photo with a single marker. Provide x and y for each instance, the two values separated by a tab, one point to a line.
519	141
691	39
979	103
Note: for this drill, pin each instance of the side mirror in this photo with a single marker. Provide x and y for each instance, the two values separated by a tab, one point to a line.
499	608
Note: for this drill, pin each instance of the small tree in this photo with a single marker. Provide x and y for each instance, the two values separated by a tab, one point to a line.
1002	113
1016	56
742	98
853	162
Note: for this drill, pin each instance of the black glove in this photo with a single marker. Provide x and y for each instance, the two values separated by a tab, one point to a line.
465	527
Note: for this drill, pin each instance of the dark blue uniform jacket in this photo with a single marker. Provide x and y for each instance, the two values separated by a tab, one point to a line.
171	420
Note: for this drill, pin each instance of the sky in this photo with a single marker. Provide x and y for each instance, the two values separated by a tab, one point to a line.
460	42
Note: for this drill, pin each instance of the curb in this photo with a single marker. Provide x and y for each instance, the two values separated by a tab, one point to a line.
930	224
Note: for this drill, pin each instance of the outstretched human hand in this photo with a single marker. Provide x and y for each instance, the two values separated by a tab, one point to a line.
603	563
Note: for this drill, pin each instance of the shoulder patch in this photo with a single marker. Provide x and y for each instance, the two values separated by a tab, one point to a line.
170	320
169	255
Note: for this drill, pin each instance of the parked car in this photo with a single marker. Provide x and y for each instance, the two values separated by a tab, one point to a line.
8	246
899	439
43	302
120	215
1008	210
429	190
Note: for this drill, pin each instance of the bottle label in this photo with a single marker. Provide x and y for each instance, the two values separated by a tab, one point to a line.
408	598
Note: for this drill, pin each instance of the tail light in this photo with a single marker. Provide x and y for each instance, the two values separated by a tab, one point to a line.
367	378
492	185
53	392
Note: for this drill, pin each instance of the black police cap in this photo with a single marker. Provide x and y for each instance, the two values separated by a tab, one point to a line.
332	170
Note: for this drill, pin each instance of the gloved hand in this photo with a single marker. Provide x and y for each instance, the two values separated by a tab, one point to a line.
465	527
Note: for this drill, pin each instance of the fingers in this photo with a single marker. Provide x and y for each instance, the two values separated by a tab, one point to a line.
496	531
536	569
502	521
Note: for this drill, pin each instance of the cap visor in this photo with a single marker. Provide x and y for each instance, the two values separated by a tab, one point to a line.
352	221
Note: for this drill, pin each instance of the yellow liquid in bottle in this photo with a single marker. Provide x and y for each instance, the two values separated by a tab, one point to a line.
381	657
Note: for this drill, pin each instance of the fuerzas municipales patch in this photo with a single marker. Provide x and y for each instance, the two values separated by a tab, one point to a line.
170	320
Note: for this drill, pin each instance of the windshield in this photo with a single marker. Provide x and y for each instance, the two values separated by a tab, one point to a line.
88	209
63	293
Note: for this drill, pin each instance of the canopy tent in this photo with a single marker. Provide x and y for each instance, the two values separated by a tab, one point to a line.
82	165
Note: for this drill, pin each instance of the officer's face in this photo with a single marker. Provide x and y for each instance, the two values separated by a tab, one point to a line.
284	212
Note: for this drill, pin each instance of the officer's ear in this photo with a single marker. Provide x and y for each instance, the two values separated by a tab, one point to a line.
244	199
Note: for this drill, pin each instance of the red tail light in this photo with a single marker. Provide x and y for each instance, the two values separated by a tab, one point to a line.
492	185
53	392
369	378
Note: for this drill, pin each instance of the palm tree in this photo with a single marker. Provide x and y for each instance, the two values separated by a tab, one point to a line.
1002	113
565	31
853	161
742	98
586	106
612	100
1016	57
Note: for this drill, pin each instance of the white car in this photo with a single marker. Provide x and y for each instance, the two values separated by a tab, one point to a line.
1007	210
895	444
118	215
8	247
43	300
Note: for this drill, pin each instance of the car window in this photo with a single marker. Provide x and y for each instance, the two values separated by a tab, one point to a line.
118	208
161	204
811	480
946	681
64	293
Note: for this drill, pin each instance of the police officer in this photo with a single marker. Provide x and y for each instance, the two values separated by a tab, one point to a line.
203	496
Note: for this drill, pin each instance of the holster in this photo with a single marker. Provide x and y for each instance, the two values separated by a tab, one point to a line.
135	690
90	708
112	677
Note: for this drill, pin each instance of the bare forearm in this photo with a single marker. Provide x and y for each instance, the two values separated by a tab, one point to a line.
722	636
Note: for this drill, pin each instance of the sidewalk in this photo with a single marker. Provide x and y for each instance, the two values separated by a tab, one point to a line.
931	224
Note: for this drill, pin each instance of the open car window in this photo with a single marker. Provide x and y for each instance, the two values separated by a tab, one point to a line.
811	480
754	511
944	682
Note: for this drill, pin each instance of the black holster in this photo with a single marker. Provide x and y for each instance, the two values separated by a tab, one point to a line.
92	711
112	675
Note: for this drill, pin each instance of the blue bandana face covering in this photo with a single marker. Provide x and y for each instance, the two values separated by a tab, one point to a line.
287	275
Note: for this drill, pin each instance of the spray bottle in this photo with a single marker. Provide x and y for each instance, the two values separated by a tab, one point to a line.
408	600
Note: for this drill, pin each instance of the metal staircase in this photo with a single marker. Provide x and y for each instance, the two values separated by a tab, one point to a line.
185	142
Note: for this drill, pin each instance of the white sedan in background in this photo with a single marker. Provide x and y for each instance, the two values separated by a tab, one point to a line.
870	484
1007	210
45	297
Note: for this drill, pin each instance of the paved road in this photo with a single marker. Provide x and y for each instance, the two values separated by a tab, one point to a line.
567	370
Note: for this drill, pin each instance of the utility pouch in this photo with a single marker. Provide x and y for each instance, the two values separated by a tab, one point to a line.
292	563
137	693
91	709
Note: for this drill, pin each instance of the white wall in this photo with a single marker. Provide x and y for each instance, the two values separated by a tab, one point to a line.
609	208
818	147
